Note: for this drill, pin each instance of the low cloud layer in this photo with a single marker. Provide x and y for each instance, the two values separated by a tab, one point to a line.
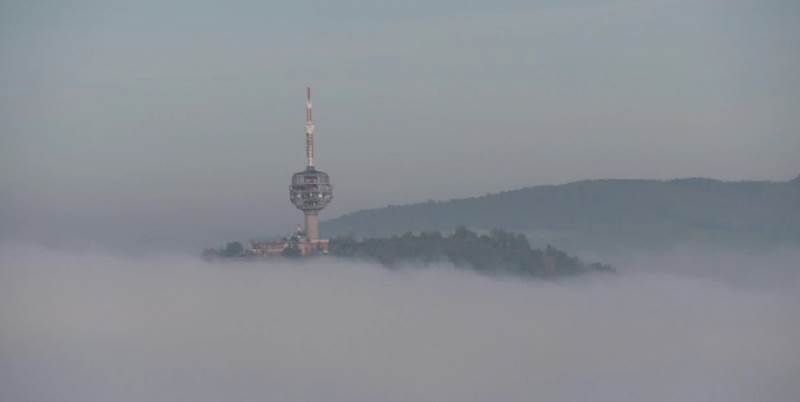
96	327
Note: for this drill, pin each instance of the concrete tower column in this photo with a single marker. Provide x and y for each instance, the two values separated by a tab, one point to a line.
311	190
312	225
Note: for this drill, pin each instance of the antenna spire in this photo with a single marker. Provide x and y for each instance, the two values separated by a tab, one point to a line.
309	130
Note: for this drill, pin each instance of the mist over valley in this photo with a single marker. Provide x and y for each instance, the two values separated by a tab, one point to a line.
95	326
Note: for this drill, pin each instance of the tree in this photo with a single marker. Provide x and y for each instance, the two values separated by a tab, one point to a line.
500	252
292	251
233	249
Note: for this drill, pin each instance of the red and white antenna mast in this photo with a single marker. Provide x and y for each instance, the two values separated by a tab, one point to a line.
309	130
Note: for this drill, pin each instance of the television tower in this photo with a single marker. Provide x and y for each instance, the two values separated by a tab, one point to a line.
311	189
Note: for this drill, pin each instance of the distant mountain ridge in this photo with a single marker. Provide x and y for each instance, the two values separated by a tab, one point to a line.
612	211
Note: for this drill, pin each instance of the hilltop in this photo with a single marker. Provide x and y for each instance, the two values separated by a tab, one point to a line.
496	253
614	213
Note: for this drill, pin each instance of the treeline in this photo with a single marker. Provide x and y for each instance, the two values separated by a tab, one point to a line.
230	250
498	252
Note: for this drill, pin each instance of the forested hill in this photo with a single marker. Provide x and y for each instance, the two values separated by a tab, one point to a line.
496	253
619	212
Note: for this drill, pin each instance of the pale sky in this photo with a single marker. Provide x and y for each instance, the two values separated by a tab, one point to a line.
182	121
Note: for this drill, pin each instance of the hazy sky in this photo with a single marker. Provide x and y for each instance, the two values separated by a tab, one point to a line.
185	118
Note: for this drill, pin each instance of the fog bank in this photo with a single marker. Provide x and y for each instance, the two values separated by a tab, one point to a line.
98	327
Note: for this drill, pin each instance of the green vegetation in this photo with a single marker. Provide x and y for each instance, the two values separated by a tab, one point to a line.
498	252
292	250
233	249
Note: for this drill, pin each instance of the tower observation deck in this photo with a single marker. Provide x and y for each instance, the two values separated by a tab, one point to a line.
311	189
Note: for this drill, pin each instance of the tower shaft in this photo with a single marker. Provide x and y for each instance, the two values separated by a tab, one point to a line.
312	225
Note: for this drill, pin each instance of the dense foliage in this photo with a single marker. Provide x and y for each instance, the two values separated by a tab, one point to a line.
498	252
233	249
